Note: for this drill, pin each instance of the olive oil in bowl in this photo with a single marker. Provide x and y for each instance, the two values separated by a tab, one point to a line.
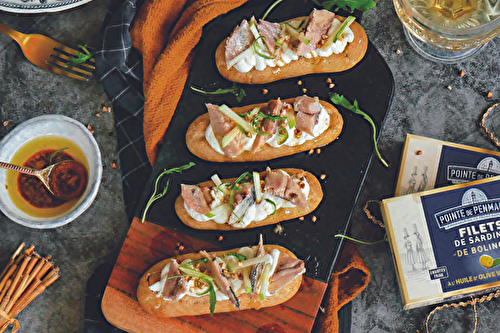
27	192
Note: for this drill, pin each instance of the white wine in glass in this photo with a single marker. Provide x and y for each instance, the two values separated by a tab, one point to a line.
449	30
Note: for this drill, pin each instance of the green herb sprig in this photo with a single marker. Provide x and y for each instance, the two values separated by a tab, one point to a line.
208	280
342	101
270	9
385	239
81	57
155	196
236	90
54	154
348	5
334	5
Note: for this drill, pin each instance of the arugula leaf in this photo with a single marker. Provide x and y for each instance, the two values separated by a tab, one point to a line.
155	196
348	5
342	101
81	57
237	91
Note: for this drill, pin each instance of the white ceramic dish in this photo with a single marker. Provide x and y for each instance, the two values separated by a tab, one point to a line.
39	6
60	126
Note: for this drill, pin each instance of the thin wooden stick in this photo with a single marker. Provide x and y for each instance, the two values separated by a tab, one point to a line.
17	307
36	276
7	286
14	284
29	250
7	276
48	264
25	277
49	279
31	264
17	294
12	258
36	270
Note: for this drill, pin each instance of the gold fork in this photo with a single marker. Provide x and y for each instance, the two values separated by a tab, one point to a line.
50	54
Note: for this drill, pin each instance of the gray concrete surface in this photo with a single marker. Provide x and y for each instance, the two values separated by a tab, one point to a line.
422	105
27	91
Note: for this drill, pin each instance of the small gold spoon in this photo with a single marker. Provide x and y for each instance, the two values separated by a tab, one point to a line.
46	176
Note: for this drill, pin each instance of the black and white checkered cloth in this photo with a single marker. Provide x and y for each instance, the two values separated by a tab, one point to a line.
119	69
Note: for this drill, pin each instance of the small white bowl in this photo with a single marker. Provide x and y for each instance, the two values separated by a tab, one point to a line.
51	125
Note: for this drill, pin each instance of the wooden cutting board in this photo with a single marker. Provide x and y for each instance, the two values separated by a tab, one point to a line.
148	243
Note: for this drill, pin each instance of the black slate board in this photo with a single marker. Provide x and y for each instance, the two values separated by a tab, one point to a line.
344	162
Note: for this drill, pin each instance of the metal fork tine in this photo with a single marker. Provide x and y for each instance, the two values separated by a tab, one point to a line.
70	50
87	64
62	65
70	72
50	54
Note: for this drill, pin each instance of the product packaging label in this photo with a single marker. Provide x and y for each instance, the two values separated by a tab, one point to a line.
444	225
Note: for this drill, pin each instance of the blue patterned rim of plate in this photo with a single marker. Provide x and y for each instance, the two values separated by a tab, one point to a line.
39	6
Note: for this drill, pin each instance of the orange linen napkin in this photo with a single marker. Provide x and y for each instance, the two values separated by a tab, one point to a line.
165	32
349	277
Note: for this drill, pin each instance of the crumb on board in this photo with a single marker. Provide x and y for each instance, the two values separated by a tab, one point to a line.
265	91
311	151
97	115
299	82
5	123
329	80
449	87
113	165
105	108
314	218
90	129
304	90
278	229
323	176
462	73
220	238
301	218
318	150
490	94
418	152
398	51
331	85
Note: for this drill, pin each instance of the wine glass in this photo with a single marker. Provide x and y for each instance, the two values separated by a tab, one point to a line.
449	31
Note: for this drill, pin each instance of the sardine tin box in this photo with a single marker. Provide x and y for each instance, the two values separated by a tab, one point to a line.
428	163
445	241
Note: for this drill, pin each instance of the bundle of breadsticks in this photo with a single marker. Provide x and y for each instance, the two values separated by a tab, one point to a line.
25	276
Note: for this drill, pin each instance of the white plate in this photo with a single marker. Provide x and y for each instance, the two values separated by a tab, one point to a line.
39	6
57	125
